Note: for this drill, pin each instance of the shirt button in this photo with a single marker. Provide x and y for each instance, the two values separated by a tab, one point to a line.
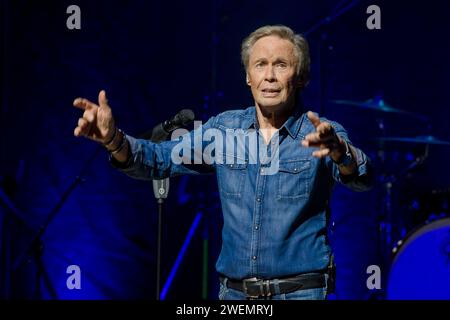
256	228
258	199
254	257
262	170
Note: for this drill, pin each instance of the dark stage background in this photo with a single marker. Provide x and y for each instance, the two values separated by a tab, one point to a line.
154	58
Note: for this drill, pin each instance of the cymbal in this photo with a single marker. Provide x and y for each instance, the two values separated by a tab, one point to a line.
378	105
419	139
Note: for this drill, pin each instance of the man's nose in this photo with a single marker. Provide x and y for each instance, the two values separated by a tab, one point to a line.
270	74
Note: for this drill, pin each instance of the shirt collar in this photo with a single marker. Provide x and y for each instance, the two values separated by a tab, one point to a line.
292	124
250	120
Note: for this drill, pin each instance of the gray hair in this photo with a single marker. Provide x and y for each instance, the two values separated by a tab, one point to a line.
300	44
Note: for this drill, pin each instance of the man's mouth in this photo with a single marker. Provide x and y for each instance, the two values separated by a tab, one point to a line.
270	92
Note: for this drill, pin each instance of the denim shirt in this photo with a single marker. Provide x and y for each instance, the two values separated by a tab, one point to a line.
275	225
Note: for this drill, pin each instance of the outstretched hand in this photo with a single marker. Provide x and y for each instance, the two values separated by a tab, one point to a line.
97	122
324	138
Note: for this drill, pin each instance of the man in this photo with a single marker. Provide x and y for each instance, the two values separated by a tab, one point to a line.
274	242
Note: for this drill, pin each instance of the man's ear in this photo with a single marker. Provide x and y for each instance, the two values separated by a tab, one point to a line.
247	79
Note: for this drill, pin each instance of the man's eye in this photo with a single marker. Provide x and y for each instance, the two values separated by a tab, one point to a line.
282	65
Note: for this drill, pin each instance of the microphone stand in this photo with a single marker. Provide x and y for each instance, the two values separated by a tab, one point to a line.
160	133
35	248
160	191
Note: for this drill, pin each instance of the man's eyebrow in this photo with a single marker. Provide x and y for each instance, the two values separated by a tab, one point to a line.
260	60
278	60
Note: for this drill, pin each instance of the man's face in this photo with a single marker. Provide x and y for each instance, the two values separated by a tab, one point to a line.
271	73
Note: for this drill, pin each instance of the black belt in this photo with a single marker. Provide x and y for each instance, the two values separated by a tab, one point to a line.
254	287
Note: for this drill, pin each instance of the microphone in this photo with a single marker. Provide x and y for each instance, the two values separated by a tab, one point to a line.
181	119
162	131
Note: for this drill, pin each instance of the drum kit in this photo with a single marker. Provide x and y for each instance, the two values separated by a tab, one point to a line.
418	257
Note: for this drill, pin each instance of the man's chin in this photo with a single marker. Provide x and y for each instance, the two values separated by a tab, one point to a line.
272	106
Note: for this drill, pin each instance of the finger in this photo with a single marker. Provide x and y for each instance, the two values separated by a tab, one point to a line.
82	122
324	129
102	100
78	103
313	118
84	104
85	126
89	115
306	143
312	137
320	144
321	153
77	132
315	137
84	130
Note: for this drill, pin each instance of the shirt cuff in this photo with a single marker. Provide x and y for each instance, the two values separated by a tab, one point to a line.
122	165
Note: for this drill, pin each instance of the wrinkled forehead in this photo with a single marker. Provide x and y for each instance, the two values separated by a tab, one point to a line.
273	47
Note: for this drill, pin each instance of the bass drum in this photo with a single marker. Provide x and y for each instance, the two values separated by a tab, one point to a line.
421	265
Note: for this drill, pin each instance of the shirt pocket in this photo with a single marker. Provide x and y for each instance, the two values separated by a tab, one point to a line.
294	179
232	178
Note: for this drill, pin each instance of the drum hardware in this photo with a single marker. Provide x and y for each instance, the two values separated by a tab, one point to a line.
428	139
418	248
418	265
378	104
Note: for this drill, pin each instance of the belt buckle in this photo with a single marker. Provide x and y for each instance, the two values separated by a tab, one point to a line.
264	286
245	288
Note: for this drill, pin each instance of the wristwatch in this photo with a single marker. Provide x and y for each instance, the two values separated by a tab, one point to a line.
347	158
